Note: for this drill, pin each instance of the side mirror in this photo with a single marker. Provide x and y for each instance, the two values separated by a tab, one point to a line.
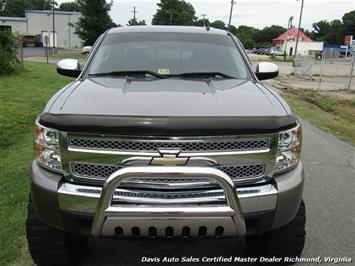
69	68
266	70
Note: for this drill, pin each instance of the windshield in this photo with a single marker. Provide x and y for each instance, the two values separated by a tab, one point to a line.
169	54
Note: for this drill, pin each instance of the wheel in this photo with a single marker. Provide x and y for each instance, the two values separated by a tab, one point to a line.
49	246
287	241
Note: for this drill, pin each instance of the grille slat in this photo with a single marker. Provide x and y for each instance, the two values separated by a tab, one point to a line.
185	146
103	171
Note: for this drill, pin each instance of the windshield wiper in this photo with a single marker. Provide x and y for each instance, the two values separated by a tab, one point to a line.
128	73
203	75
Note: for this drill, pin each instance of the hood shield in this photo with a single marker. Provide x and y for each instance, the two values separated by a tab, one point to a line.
167	126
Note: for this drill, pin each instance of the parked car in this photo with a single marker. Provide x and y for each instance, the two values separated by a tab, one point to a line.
86	49
33	40
166	132
263	51
276	51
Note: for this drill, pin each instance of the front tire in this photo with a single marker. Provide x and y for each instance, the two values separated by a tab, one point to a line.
49	246
287	241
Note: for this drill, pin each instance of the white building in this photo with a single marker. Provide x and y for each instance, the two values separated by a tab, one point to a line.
306	46
303	49
41	22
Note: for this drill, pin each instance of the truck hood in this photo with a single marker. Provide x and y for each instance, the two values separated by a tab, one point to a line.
118	104
168	97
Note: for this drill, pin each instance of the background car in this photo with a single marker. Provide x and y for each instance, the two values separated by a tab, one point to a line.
86	49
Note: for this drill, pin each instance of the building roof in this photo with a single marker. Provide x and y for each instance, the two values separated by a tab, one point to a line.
291	34
180	29
13	19
24	19
57	12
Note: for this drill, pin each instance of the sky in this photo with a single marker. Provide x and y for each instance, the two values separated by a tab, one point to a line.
257	13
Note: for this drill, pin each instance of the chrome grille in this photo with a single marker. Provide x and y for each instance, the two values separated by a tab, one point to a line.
169	195
103	171
121	145
119	193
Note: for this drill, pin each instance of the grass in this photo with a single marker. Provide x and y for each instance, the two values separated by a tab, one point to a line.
22	96
275	58
332	114
65	55
68	55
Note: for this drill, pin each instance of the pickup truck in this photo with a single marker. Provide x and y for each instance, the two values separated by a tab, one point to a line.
166	132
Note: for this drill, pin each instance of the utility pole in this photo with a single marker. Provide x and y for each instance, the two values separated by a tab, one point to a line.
290	20
204	19
352	65
171	17
231	14
134	12
299	29
53	6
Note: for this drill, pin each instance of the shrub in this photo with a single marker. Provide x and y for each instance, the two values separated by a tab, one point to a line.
310	95
326	104
9	61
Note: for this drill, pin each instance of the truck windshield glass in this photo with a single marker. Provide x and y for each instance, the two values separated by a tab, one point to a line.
169	54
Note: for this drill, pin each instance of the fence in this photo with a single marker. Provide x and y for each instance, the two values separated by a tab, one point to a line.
20	52
328	73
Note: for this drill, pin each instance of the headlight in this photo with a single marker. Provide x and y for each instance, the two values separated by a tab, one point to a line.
46	143
289	149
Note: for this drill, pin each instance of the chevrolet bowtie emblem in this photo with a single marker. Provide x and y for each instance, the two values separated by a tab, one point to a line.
169	157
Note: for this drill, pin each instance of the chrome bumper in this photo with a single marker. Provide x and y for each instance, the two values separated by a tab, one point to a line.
84	199
53	197
161	220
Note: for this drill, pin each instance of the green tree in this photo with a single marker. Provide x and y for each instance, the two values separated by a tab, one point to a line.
70	6
329	32
174	12
349	23
8	52
337	33
94	20
2	7
320	29
202	22
42	4
16	8
219	24
247	35
267	34
135	22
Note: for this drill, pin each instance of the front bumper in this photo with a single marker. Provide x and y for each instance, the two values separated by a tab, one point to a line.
72	207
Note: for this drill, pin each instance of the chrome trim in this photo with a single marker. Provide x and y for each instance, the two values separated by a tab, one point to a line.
182	140
105	211
155	154
221	158
82	198
161	185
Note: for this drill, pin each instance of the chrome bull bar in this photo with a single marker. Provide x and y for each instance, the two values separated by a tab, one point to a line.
160	220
